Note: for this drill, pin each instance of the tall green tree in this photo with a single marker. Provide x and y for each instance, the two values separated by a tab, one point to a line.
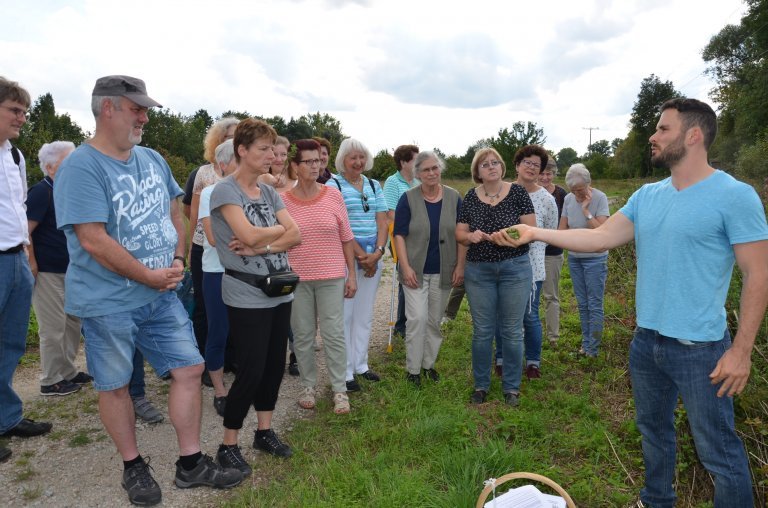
508	141
45	125
738	58
566	157
645	113
601	147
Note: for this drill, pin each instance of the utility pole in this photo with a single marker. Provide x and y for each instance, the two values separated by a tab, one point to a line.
590	129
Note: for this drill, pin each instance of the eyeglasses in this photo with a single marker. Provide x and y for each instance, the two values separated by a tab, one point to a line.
18	112
436	169
311	162
530	164
490	164
364	202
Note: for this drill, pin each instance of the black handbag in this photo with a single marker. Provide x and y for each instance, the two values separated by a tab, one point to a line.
274	284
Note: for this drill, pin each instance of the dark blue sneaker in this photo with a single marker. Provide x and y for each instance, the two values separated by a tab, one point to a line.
207	473
61	388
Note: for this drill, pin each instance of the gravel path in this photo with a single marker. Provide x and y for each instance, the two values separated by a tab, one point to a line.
77	464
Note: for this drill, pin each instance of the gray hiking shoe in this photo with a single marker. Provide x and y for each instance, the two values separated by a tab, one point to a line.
142	489
207	473
146	411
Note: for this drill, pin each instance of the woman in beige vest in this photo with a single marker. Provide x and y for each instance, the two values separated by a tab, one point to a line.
431	261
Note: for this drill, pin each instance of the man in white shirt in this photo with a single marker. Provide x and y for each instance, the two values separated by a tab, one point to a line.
16	281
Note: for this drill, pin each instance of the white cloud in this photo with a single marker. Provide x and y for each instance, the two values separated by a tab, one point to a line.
441	74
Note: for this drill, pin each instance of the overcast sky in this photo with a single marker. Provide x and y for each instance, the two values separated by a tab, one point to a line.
441	74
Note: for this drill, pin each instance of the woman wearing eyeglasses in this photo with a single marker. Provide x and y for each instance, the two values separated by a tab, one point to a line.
586	207
430	260
497	278
367	212
325	263
528	164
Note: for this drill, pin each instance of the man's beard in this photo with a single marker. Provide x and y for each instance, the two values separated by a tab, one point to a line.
671	155
135	138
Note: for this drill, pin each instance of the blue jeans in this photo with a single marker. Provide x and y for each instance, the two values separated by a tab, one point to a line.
136	387
532	327
218	322
498	295
588	276
661	368
16	283
160	329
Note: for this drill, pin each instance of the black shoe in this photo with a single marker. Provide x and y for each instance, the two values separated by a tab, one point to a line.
82	378
207	473
478	397
219	404
270	443
142	489
353	386
206	379
230	457
61	389
5	454
28	428
293	366
512	399
432	374
370	376
414	378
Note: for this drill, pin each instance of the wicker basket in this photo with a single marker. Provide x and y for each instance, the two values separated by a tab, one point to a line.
530	476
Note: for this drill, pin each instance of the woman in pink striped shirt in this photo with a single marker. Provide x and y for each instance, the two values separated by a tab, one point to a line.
325	263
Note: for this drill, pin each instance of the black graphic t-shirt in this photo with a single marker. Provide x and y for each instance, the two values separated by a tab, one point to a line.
489	219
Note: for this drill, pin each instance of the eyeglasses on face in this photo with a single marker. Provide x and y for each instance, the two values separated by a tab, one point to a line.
364	202
436	169
530	164
310	162
18	112
490	164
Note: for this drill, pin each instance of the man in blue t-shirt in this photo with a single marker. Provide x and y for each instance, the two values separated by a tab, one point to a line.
688	229
116	203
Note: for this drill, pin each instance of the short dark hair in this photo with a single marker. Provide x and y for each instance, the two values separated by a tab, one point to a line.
248	131
304	145
531	151
405	153
11	90
694	113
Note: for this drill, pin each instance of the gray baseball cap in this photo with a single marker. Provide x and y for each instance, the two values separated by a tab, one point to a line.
125	86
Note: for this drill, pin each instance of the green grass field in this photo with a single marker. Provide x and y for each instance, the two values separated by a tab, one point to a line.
429	447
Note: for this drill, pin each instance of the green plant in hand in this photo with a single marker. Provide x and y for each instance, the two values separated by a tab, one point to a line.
513	233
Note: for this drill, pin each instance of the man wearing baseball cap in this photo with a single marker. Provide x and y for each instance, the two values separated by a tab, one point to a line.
116	203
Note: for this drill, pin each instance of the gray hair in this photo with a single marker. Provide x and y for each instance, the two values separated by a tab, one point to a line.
97	102
352	145
225	152
50	152
428	154
577	174
551	166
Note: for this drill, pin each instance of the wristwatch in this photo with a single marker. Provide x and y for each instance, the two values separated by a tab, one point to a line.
380	248
589	216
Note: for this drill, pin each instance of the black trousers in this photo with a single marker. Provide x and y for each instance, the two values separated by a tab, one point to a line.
259	338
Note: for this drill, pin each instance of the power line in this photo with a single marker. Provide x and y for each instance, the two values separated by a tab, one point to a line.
590	129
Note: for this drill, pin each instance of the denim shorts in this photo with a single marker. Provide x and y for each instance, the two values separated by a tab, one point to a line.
161	330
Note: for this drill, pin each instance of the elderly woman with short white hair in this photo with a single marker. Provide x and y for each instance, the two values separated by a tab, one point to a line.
586	207
48	258
431	262
367	211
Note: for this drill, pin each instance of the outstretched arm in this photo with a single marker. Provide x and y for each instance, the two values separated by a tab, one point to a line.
615	231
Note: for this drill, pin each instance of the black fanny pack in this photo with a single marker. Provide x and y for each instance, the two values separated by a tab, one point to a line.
274	284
